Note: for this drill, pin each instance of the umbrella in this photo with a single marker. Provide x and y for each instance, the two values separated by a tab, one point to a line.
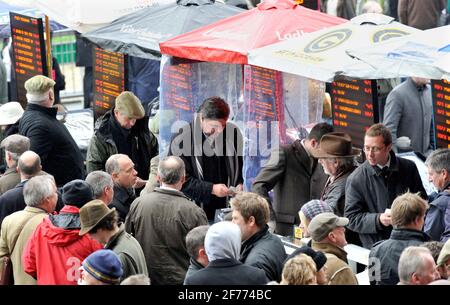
86	15
229	40
139	33
424	54
5	9
322	55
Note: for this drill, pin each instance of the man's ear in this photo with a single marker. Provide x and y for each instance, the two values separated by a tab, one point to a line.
158	178
314	143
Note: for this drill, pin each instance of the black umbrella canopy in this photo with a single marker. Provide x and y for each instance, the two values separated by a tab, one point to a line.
139	33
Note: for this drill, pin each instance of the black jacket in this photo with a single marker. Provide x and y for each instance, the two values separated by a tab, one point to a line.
227	271
50	139
388	253
264	251
122	201
195	186
369	192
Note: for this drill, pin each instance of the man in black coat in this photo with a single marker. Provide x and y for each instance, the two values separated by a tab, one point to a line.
260	248
50	139
211	149
295	177
373	186
407	214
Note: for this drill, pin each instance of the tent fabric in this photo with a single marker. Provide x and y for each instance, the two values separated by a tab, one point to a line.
229	40
86	15
423	54
139	34
322	55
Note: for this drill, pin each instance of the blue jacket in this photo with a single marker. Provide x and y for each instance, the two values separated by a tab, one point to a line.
437	221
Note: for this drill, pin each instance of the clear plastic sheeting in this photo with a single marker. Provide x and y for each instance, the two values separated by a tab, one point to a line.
185	84
279	108
80	124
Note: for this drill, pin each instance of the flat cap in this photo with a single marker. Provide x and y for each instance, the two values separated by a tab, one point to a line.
39	84
129	104
322	224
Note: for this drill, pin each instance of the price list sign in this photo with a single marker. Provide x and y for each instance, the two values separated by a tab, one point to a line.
109	79
441	110
28	51
354	107
311	4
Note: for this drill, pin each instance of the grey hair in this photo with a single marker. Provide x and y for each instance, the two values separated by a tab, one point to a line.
112	164
412	260
171	173
14	156
195	240
439	160
98	180
37	189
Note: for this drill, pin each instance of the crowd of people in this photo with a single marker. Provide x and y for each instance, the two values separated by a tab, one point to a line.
130	215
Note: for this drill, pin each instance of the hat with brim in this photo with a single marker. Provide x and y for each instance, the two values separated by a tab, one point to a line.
322	224
92	213
10	113
335	145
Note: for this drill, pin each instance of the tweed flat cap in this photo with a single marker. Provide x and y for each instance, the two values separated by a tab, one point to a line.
129	104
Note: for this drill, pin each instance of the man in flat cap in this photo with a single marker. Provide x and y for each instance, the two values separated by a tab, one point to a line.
14	145
50	139
328	235
123	130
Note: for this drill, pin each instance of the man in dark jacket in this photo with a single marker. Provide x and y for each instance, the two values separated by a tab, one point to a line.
373	186
407	214
260	248
123	130
160	222
437	221
195	245
223	245
124	177
50	139
295	177
211	149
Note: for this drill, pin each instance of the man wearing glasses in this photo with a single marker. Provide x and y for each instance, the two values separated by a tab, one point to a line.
373	186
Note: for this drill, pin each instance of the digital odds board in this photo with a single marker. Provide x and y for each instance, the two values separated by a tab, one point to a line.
441	109
28	51
354	107
109	79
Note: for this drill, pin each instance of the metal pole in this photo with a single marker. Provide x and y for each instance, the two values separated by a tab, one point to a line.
48	46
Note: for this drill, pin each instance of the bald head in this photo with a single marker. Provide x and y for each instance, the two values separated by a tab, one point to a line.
29	165
171	170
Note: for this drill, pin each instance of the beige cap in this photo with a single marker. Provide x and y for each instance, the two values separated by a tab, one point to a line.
10	113
445	254
129	104
37	87
322	224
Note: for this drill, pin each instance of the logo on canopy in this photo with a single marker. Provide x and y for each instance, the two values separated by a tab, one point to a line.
386	34
328	41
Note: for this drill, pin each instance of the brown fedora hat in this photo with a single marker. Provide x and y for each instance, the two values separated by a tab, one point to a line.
335	145
92	213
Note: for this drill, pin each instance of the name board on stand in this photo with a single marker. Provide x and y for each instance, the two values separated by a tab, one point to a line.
28	51
311	4
110	77
263	119
354	107
441	109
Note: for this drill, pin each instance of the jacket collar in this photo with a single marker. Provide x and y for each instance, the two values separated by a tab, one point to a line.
173	192
68	218
195	264
223	262
52	111
112	242
409	234
9	171
330	248
35	210
122	194
255	237
393	166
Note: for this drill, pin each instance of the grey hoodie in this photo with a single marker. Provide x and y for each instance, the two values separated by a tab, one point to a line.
223	240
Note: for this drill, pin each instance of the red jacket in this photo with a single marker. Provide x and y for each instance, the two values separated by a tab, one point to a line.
54	252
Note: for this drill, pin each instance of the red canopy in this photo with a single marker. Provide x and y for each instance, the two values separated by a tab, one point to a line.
230	39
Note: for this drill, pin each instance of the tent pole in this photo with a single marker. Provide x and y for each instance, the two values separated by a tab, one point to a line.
48	46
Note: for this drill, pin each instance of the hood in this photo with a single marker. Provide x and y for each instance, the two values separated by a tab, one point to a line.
222	241
58	236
